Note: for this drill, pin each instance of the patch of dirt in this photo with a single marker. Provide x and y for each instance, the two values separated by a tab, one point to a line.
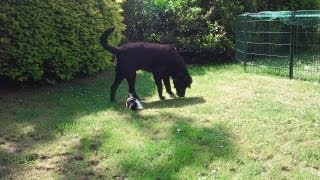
94	162
44	157
78	158
119	177
44	168
33	157
100	177
157	135
269	157
55	158
94	146
84	178
61	171
63	154
239	161
14	144
285	168
4	170
89	173
11	148
36	137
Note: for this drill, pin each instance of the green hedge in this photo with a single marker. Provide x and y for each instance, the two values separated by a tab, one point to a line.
194	27
202	30
46	40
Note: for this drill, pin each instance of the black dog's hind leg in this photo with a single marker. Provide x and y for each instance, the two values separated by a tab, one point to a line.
131	83
117	80
158	81
166	81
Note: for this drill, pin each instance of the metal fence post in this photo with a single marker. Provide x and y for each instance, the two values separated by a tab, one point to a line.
292	43
246	41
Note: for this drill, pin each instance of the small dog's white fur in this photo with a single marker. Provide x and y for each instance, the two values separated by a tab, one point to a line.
133	103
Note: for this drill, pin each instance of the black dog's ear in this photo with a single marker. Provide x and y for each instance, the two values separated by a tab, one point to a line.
189	85
188	80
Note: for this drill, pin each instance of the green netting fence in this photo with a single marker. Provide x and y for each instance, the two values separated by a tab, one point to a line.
285	43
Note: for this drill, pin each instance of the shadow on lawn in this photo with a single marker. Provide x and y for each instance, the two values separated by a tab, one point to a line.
189	147
185	147
174	103
30	118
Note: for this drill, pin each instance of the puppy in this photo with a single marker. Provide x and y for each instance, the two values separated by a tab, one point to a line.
163	61
133	103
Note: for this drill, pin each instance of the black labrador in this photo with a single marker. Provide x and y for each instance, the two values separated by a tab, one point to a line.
163	61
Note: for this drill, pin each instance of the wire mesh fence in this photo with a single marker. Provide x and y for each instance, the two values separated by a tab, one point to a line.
284	43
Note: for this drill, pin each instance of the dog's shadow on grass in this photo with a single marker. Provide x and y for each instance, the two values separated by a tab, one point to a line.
188	144
34	117
31	117
173	103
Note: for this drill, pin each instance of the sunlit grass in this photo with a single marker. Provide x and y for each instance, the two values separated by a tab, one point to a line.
231	125
306	66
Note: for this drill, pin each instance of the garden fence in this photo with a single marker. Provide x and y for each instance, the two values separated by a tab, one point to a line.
285	43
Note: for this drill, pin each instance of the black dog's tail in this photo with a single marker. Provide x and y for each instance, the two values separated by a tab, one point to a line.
104	41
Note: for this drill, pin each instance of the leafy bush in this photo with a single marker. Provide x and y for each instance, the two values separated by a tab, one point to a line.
195	27
201	29
45	41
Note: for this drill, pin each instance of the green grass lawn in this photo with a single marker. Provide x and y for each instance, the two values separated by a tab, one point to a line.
305	67
231	125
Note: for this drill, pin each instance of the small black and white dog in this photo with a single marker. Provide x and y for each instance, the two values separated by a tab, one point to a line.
133	103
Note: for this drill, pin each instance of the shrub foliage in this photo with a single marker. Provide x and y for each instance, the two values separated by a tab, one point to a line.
201	29
46	41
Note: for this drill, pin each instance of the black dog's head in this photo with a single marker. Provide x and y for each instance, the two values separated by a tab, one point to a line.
181	82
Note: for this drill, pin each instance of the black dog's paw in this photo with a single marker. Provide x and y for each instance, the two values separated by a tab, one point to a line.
162	97
171	94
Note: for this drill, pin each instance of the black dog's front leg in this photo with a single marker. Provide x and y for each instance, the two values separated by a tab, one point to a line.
166	81
158	81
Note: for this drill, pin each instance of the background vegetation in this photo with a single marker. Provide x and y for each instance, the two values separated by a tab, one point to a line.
202	29
48	41
239	125
44	40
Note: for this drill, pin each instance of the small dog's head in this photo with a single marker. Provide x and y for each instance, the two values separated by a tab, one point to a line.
131	102
181	82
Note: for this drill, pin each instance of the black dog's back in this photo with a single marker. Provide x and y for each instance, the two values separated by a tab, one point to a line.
148	56
143	55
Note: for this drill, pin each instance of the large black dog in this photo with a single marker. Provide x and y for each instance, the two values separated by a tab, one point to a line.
163	61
